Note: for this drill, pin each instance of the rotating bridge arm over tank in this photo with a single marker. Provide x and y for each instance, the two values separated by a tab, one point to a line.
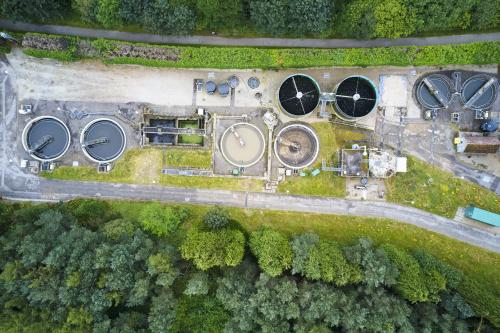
294	145
480	92
435	92
237	135
95	142
42	143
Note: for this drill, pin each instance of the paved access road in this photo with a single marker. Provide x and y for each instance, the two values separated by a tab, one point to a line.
65	190
263	42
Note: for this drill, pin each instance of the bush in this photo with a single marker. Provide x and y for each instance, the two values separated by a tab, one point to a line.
162	17
411	283
327	263
430	264
161	220
90	212
108	13
273	252
485	302
209	249
87	9
216	218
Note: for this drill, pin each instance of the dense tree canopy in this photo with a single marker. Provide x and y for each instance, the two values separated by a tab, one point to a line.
219	14
38	10
316	18
60	273
161	16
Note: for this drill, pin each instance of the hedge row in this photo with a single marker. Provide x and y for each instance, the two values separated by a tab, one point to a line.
272	58
275	58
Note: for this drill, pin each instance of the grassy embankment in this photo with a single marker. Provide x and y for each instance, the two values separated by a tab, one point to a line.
143	166
432	189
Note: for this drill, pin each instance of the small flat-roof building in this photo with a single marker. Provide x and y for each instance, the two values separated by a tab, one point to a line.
477	143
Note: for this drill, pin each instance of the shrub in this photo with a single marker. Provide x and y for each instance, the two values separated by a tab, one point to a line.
90	212
272	250
327	263
430	264
216	218
162	17
161	220
209	249
411	283
108	13
485	302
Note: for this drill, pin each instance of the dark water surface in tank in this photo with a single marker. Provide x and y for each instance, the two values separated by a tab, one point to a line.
356	96
299	95
53	128
161	139
115	140
427	99
472	85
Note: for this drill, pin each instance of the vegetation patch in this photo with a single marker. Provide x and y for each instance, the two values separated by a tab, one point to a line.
118	52
429	188
64	48
143	166
127	276
225	183
189	158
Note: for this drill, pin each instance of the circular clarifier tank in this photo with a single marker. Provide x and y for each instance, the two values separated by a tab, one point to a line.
355	97
103	140
296	146
299	95
242	144
479	92
46	138
434	92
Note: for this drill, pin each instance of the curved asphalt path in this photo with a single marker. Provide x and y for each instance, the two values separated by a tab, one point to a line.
54	190
262	42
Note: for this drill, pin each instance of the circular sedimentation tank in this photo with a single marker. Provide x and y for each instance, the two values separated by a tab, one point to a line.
298	95
355	97
296	146
479	92
434	91
242	144
103	140
46	138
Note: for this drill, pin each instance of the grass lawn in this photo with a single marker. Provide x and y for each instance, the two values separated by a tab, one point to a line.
138	166
480	264
191	139
143	166
194	158
332	138
235	184
442	195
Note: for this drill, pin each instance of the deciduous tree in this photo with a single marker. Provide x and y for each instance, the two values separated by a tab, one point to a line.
272	250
